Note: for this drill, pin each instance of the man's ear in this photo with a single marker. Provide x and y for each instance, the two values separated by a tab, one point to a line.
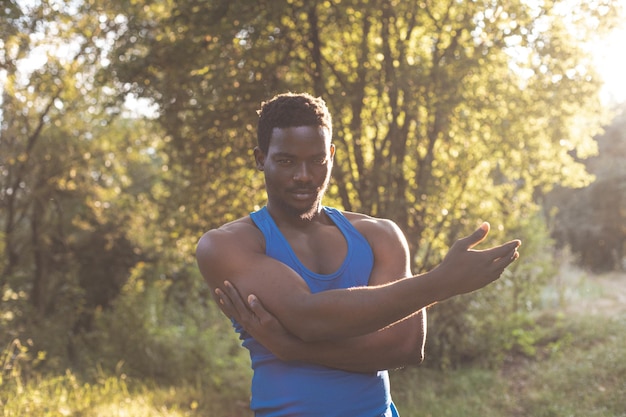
259	158
332	151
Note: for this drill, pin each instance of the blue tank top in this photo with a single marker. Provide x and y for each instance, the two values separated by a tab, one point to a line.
307	390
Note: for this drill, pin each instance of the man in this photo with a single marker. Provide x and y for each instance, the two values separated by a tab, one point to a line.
331	302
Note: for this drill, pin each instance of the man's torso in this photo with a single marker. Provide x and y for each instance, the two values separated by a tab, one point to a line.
327	256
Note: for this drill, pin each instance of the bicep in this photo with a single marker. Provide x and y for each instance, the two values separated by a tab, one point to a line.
283	291
391	254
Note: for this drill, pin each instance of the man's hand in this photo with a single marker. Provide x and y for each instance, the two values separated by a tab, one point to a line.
256	320
467	269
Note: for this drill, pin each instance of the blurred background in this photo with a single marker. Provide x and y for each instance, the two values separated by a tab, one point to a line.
126	132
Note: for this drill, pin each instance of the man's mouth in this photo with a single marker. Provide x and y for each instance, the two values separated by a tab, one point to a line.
303	194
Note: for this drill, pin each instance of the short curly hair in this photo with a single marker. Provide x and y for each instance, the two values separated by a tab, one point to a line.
291	110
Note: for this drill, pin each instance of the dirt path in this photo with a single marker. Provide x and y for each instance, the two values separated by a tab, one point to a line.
603	294
612	300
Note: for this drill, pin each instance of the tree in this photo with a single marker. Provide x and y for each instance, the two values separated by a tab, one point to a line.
445	112
592	220
421	93
66	191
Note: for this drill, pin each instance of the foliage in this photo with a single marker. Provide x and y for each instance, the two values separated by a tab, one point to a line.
189	67
487	326
434	103
581	377
165	330
600	240
59	174
104	396
575	370
444	113
153	336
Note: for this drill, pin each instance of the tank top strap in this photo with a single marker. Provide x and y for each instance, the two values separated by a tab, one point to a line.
276	246
342	222
357	264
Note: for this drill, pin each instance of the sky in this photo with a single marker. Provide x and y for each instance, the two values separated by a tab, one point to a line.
610	58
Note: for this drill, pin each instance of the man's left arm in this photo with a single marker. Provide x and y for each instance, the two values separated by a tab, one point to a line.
394	346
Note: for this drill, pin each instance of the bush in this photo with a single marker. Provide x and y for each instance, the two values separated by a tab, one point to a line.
487	325
166	330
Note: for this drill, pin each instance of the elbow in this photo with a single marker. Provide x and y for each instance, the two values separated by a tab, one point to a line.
402	356
418	357
412	353
413	348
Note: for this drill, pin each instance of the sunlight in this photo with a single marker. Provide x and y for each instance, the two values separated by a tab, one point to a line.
611	64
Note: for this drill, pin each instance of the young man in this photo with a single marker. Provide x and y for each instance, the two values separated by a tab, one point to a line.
331	301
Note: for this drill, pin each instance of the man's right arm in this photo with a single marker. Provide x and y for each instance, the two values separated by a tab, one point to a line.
234	254
395	346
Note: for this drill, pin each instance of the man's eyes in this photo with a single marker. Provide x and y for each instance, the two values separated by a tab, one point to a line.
287	161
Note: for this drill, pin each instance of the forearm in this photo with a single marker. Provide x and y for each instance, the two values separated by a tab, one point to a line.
332	315
395	346
357	311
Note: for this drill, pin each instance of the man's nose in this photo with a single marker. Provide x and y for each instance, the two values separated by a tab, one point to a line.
302	172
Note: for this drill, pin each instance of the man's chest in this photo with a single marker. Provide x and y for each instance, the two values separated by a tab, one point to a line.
322	249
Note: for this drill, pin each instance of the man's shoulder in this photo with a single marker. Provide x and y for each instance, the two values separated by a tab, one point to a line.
241	233
224	252
384	236
241	225
371	226
364	219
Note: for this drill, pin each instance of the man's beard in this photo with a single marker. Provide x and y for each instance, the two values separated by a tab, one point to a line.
310	212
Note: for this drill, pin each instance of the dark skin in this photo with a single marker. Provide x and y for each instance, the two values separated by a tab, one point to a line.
394	346
380	326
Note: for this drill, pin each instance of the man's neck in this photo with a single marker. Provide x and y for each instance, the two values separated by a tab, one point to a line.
292	220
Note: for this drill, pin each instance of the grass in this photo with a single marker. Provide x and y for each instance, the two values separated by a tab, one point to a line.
579	370
66	395
585	377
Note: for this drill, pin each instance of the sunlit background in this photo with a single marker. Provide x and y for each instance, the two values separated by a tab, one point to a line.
610	61
102	309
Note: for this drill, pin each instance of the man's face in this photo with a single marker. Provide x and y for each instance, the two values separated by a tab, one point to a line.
297	169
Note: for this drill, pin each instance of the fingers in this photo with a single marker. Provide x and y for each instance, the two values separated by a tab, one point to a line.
225	304
257	308
475	238
231	302
501	263
505	260
505	250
